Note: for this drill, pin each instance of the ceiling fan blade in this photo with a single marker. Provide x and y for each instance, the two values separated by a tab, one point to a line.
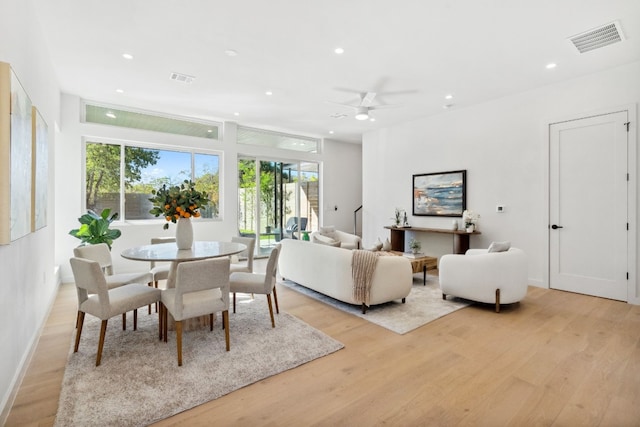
367	99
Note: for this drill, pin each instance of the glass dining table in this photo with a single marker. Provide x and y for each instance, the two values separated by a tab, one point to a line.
169	252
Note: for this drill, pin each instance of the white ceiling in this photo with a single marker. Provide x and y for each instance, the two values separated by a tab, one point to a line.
421	49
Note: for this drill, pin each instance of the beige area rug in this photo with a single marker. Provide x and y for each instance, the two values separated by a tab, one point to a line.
139	381
423	305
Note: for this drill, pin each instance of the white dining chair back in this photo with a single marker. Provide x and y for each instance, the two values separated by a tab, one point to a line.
202	288
99	252
247	266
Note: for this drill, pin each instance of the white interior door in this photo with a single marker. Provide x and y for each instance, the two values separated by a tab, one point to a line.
588	206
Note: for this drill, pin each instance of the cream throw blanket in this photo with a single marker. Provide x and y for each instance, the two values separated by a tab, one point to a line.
363	264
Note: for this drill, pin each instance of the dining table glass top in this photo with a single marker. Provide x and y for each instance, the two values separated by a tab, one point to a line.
170	252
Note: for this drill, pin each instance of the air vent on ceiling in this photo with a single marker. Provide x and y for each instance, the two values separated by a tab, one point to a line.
598	37
182	78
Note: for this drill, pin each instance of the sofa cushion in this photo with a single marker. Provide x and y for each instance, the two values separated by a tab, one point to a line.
328	231
499	247
324	240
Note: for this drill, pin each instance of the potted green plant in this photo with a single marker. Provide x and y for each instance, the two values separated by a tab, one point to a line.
415	246
95	229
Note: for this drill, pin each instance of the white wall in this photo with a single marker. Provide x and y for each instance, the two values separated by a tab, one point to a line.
503	146
28	283
342	184
340	163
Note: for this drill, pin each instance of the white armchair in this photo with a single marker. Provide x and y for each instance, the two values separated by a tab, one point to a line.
332	237
497	277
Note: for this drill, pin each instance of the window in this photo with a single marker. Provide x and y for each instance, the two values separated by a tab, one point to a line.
118	116
113	170
265	138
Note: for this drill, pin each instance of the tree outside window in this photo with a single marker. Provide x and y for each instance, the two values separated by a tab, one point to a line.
144	170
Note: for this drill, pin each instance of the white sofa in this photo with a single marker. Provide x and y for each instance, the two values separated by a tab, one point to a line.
327	270
332	237
498	277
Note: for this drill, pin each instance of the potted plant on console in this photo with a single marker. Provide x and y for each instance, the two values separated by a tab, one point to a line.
470	219
415	246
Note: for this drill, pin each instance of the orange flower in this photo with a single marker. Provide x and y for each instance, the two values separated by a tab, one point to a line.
168	218
186	214
196	214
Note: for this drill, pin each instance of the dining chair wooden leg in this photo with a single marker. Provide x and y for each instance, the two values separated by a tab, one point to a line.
151	285
135	319
103	331
273	322
211	322
79	323
179	341
275	298
165	323
234	302
77	319
225	323
124	321
160	321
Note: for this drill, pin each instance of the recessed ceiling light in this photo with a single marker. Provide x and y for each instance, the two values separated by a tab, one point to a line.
551	66
209	130
331	132
119	90
110	115
339	50
127	56
372	119
236	114
449	96
231	52
268	93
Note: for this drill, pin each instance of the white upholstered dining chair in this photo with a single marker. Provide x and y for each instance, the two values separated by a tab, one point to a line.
247	266
202	287
258	283
102	255
97	299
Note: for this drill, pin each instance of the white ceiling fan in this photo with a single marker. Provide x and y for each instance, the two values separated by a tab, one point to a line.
363	105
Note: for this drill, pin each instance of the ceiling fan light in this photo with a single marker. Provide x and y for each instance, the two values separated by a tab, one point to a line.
362	114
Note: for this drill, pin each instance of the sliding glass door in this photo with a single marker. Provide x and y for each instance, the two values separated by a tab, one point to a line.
276	200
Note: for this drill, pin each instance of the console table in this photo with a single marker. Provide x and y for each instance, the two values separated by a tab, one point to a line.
460	237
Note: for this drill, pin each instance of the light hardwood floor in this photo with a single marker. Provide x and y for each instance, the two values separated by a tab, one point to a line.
556	359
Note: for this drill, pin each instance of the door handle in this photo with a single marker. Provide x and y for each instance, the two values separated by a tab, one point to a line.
555	227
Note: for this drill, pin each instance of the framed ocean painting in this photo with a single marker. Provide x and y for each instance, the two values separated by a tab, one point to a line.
440	193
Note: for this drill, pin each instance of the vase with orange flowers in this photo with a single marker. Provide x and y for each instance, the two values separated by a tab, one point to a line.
178	204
